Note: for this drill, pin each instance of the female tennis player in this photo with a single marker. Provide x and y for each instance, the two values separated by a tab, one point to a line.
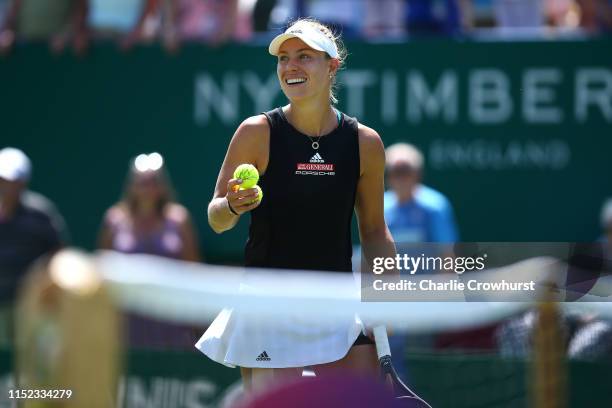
317	165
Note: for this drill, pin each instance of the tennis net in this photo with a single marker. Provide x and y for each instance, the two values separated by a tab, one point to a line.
474	350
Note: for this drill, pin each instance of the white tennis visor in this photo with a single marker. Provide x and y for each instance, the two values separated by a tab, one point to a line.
314	38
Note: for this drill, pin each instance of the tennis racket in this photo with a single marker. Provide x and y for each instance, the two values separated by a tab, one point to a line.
402	392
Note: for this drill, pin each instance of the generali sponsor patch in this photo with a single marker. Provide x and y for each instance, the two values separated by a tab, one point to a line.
315	169
316	166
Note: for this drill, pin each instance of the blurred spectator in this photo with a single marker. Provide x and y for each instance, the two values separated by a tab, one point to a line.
593	340
478	14
283	12
433	17
243	30
384	18
210	21
585	337
147	220
262	13
523	17
588	336
414	213
343	16
131	20
35	20
514	337
517	14
30	227
562	14
596	15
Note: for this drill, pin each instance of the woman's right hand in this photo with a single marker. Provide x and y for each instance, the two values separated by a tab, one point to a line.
241	201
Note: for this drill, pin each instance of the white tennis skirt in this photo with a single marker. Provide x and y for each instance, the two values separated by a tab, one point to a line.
235	340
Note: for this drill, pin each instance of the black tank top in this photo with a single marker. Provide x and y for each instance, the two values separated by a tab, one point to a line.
304	220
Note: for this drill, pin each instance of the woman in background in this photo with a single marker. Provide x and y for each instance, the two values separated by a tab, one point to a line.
147	220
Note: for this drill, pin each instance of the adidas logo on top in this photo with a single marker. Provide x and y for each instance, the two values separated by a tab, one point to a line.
317	159
263	357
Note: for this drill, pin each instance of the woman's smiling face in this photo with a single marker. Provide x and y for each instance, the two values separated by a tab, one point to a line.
302	71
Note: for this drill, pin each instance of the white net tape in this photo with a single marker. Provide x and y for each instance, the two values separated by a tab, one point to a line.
196	293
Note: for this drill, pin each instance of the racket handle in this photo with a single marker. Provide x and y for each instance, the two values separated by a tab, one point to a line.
382	341
384	357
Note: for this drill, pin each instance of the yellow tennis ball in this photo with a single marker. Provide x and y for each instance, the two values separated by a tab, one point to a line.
248	174
259	194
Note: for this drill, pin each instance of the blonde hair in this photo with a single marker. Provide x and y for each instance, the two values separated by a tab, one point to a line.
130	202
335	37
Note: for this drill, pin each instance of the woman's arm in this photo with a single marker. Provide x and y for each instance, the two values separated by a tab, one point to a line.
191	250
180	216
376	240
249	145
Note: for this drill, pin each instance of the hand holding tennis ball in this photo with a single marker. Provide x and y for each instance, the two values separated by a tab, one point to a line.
259	194
248	174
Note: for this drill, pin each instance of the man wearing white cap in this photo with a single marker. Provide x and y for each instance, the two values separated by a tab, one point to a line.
415	214
30	227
